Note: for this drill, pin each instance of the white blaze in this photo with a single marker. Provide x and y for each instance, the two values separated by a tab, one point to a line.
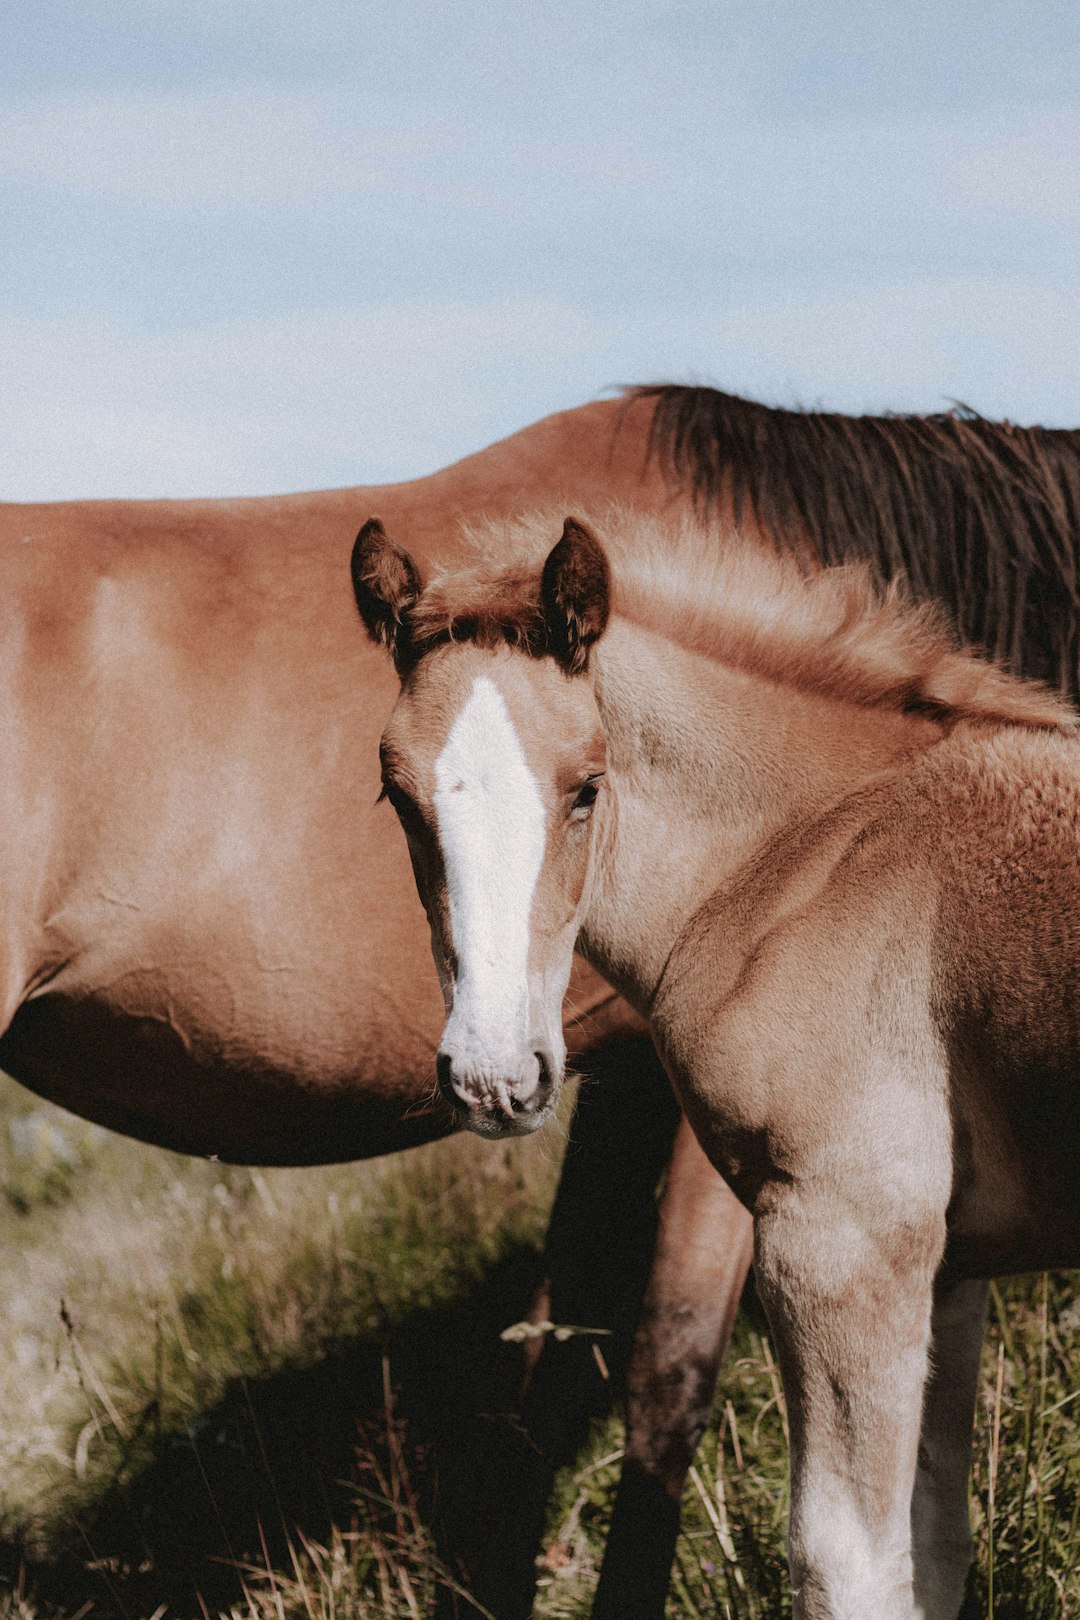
492	834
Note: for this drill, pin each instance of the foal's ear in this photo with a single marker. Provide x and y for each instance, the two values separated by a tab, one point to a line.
387	584
575	590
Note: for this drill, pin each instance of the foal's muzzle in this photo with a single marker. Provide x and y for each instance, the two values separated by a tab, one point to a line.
510	1100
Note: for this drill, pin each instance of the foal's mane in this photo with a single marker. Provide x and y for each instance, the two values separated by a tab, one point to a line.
983	516
834	631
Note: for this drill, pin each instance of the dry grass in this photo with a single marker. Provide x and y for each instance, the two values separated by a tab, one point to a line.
255	1375
178	1328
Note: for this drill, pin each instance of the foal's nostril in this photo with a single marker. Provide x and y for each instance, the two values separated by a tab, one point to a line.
444	1074
527	1089
545	1077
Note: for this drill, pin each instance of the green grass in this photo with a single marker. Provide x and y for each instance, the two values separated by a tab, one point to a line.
262	1384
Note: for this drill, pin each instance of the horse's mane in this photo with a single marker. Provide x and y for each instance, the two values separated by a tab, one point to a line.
836	631
982	516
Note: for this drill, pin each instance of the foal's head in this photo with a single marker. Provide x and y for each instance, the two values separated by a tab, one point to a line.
494	760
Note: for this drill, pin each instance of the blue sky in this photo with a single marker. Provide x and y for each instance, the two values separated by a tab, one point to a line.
261	246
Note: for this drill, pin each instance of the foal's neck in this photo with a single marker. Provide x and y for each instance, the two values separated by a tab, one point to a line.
709	767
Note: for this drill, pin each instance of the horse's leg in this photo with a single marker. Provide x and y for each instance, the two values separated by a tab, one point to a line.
596	1257
941	1528
703	1250
845	1272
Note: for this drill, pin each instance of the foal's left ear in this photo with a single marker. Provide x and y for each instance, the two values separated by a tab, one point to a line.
575	590
387	584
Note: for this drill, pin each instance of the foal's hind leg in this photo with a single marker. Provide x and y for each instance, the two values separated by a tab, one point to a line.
703	1251
941	1529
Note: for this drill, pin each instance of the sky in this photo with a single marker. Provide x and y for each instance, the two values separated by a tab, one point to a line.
250	245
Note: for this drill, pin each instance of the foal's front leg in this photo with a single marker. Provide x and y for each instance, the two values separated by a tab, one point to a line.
846	1276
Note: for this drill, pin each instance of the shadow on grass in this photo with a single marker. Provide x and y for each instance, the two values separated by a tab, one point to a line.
287	1456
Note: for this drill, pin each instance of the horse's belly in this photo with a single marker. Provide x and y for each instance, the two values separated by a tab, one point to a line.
1024	1245
309	1057
1017	1156
298	1060
144	1076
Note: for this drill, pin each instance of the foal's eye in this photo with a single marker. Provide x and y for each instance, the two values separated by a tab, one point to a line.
585	797
397	797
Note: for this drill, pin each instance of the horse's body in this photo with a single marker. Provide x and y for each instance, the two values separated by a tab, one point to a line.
836	864
208	939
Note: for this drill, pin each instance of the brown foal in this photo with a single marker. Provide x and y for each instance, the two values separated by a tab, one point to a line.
836	864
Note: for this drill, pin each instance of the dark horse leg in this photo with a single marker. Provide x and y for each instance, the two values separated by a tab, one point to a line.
599	1247
703	1251
596	1255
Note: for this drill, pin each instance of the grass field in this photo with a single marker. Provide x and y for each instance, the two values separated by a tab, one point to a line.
226	1392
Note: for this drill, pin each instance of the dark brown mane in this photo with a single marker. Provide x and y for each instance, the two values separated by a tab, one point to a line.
982	516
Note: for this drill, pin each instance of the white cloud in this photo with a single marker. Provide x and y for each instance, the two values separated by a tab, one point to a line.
497	216
716	176
1031	169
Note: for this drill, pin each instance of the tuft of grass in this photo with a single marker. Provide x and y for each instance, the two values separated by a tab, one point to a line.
1026	1472
382	1566
730	1558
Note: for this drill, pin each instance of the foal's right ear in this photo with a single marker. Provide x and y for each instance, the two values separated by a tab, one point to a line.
386	583
575	590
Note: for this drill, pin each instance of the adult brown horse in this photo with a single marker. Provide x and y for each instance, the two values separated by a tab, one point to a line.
209	943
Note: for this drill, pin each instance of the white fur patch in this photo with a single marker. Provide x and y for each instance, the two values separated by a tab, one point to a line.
492	833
